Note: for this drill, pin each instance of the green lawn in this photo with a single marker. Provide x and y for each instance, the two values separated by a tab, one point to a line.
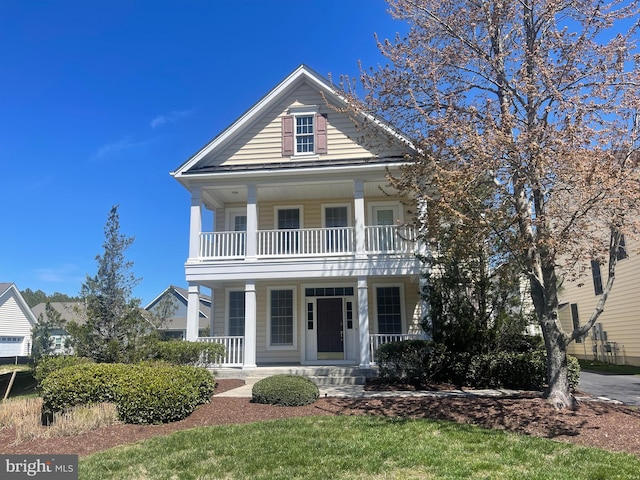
600	367
358	447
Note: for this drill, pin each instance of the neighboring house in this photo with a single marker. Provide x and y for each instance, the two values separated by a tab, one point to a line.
309	261
69	312
16	322
176	325
616	336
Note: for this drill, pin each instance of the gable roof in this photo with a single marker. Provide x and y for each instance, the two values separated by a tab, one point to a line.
10	289
302	74
69	311
183	295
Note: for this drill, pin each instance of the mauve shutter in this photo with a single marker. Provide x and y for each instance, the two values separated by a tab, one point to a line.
321	133
287	135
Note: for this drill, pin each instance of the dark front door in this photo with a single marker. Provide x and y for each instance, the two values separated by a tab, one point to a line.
330	340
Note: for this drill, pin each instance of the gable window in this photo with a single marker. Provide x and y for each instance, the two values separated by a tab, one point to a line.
389	309
304	134
236	312
597	277
281	321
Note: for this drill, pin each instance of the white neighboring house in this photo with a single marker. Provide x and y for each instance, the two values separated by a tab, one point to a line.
176	325
16	322
309	260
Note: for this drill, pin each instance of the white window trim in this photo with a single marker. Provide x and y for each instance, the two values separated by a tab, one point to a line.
227	320
324	207
287	207
403	303
295	319
388	204
304	111
231	213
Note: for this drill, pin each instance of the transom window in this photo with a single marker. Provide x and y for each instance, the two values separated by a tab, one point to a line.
305	134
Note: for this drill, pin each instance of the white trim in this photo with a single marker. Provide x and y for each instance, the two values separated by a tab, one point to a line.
403	306
295	319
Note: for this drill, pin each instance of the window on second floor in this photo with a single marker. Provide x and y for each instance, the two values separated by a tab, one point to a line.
304	134
597	277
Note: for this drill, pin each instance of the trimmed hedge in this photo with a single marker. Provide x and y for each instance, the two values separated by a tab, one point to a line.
180	352
47	364
143	393
420	361
285	390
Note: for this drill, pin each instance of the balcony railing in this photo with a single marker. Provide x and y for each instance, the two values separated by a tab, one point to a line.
381	239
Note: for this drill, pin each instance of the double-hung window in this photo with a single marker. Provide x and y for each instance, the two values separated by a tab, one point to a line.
236	312
388	302
304	133
305	138
281	317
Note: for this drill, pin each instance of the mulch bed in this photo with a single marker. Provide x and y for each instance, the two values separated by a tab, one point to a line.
596	424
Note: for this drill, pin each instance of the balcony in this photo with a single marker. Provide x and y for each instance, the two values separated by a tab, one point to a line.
309	242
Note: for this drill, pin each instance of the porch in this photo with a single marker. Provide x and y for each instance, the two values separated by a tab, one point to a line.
234	352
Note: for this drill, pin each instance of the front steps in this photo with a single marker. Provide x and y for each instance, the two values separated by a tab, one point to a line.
320	375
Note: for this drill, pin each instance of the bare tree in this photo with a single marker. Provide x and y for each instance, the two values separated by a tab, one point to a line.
536	98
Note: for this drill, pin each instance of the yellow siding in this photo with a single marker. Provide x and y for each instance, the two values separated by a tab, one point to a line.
261	142
621	317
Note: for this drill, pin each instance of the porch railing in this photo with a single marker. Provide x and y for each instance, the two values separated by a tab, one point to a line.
377	339
380	239
233	349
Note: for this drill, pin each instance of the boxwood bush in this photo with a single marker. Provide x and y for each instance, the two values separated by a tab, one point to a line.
48	364
143	393
285	390
181	352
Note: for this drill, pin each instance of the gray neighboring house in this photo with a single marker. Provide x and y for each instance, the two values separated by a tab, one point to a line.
176	325
16	322
69	312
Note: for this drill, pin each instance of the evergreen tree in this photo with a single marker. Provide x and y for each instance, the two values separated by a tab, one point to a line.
114	324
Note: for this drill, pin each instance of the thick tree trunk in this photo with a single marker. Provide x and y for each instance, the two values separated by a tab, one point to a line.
558	391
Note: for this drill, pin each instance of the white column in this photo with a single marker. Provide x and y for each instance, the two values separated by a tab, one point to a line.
363	322
193	311
249	325
195	226
211	319
359	214
252	222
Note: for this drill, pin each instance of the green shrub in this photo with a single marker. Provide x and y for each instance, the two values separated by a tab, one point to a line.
285	390
46	365
411	361
181	352
143	393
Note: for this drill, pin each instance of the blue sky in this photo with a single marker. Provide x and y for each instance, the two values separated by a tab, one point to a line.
100	100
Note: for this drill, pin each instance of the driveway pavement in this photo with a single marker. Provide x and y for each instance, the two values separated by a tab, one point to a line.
624	388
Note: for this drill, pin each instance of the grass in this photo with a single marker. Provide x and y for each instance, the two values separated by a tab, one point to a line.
598	366
357	447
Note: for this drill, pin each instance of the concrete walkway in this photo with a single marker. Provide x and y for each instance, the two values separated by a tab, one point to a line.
357	391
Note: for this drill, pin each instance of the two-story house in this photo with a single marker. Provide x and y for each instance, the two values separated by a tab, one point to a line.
309	259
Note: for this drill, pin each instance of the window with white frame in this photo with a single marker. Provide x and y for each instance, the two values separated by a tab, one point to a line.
389	309
304	134
281	317
236	312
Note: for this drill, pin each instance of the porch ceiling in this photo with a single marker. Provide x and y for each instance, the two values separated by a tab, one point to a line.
221	195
